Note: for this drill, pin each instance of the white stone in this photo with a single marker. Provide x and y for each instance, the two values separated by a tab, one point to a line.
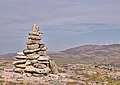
19	62
20	54
43	58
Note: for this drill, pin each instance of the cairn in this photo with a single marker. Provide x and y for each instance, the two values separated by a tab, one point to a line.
33	61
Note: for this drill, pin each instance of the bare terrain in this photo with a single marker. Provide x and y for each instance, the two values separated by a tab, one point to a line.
84	65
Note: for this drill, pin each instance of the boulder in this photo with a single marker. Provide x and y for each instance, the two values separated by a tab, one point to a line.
53	67
33	46
19	62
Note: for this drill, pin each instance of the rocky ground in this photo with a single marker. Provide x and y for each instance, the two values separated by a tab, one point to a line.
69	74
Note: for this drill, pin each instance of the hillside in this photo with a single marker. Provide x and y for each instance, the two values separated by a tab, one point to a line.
107	53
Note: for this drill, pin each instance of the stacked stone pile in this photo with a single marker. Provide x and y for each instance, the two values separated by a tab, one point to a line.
33	60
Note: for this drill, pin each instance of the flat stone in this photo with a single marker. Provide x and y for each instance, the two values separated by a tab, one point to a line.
36	70
42	53
20	57
43	58
19	70
19	62
30	41
35	33
20	54
53	67
20	66
43	62
31	51
40	66
37	75
33	46
33	37
32	57
34	61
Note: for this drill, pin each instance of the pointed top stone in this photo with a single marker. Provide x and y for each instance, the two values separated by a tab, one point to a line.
35	28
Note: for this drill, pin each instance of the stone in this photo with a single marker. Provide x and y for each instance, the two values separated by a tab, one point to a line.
40	66
41	58
20	54
33	37
26	51
32	46
35	33
53	67
20	57
37	75
42	53
30	41
20	66
19	70
43	62
19	62
36	70
31	57
35	28
28	62
34	61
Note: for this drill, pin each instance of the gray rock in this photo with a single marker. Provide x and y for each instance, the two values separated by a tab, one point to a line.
35	33
35	28
42	53
32	57
33	37
32	46
28	62
36	70
53	67
19	62
26	51
20	56
19	70
41	58
30	41
40	66
20	66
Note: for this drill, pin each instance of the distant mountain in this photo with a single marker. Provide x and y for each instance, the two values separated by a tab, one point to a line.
95	52
89	53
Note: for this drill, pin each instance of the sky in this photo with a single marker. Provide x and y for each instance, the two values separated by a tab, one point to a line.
64	23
